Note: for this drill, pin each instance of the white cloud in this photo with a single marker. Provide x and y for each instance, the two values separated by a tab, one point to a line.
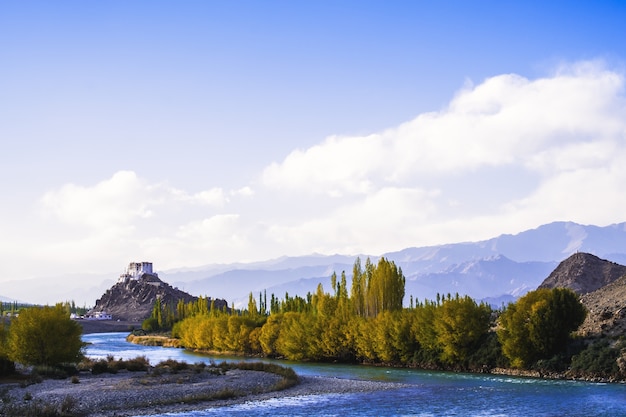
125	217
504	155
243	192
509	153
505	120
121	200
377	222
116	201
213	197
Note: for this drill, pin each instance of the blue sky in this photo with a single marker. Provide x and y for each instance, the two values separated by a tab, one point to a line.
196	132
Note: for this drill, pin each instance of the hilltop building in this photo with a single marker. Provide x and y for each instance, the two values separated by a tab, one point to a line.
137	271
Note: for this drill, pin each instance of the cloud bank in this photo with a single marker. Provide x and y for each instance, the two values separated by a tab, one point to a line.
507	154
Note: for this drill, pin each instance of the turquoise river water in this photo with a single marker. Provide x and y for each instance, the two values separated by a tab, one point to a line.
427	394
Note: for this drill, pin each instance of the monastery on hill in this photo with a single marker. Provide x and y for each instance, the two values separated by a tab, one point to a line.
136	271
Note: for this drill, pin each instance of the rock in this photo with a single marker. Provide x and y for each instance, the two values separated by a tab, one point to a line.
606	312
133	299
583	273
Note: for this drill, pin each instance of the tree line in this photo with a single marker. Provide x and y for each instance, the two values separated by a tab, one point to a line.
366	322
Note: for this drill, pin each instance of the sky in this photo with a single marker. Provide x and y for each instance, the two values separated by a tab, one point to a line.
197	132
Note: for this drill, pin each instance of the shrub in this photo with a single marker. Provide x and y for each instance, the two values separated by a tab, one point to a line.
7	367
68	405
101	367
150	325
50	372
173	365
44	336
138	364
599	358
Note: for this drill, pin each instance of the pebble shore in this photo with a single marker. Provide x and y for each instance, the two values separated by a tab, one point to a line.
131	394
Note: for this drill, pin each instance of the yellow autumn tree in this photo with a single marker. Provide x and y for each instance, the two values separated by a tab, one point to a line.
45	336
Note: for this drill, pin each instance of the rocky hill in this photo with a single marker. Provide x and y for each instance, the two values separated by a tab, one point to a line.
606	310
583	273
133	300
602	286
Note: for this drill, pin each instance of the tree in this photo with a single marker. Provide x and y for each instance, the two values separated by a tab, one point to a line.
459	324
7	366
357	292
155	321
539	325
45	336
385	287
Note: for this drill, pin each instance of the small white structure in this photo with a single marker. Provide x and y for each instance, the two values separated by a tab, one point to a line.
100	315
136	270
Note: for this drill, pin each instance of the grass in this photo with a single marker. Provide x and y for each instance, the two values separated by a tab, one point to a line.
112	366
67	408
153	340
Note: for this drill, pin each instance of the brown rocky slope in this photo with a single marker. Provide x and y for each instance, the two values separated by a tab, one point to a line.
606	310
602	287
583	273
133	300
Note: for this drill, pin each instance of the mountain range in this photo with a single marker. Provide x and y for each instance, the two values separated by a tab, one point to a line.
498	269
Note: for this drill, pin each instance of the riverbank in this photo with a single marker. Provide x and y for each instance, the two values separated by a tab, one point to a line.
142	393
108	326
166	341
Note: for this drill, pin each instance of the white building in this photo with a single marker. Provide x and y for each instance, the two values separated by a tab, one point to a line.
136	270
100	315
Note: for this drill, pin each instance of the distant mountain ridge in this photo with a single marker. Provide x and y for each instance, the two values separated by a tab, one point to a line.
501	268
498	269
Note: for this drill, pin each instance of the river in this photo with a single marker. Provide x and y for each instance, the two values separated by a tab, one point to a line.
425	393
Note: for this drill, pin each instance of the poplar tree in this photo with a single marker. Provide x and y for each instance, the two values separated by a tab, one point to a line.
357	291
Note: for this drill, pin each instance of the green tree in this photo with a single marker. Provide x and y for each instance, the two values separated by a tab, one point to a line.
270	332
7	366
539	325
357	291
385	287
45	336
459	324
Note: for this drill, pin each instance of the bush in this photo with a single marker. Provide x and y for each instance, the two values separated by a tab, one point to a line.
101	367
173	365
150	325
488	355
7	367
45	336
112	366
599	358
138	364
53	372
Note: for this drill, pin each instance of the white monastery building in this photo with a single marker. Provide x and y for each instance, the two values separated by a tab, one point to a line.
136	270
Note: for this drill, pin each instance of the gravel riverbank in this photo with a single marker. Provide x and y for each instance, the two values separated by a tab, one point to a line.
140	393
